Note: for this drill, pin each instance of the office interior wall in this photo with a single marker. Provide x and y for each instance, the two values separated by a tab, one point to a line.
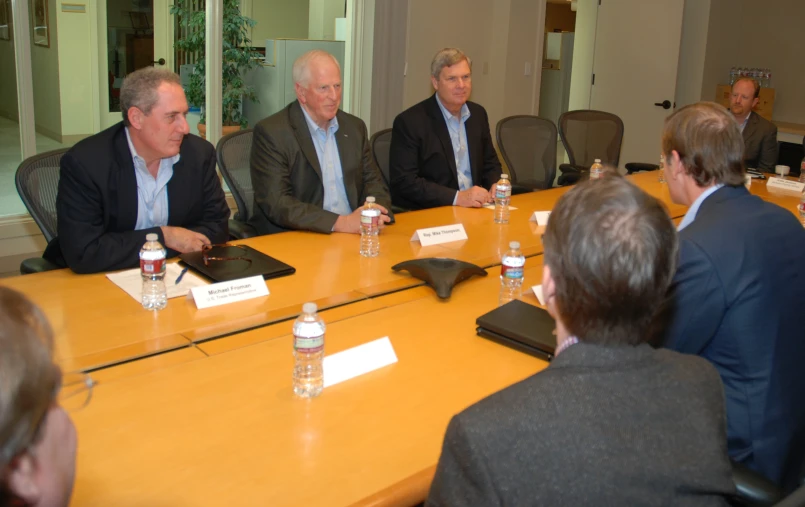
77	90
45	74
322	17
279	19
690	71
723	44
523	59
583	54
8	83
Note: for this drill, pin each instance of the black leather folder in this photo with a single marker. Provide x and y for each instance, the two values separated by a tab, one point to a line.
225	270
522	326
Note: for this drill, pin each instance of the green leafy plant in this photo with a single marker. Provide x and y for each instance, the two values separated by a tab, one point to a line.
238	57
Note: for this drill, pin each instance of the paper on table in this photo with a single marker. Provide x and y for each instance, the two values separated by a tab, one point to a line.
538	292
540	217
358	360
131	281
491	205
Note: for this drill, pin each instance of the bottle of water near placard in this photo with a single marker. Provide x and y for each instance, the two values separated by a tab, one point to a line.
511	273
596	170
370	227
503	194
308	351
801	208
802	171
152	270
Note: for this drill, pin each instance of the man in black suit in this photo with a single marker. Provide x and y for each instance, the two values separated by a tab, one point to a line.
143	175
738	292
611	421
441	150
310	163
759	134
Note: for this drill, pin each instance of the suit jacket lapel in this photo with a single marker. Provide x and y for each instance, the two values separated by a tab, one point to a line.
124	184
440	127
302	132
751	126
473	127
347	150
177	201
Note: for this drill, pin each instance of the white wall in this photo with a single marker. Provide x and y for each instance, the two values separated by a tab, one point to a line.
723	49
45	73
583	54
692	51
278	19
322	18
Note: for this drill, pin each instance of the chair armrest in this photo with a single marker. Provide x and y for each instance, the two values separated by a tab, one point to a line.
753	489
570	168
633	167
240	230
36	265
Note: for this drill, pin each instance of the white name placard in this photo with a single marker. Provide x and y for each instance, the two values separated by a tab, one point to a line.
786	185
358	360
439	235
540	217
538	292
229	292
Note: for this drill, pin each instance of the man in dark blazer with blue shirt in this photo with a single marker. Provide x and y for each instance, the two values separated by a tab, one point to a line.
441	149
144	175
738	292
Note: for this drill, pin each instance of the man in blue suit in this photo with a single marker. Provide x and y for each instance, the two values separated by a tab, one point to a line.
738	292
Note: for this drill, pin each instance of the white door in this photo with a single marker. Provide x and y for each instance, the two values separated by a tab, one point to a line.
131	35
635	65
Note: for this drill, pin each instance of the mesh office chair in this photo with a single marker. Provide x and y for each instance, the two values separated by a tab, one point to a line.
586	136
528	146
380	144
233	152
37	182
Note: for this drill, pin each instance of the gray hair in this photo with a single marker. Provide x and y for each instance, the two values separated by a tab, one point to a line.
301	67
140	89
447	57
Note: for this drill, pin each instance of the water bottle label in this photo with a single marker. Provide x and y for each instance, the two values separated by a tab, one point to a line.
308	344
369	220
511	271
503	194
152	266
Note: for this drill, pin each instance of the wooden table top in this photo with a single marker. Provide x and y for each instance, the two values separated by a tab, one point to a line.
227	430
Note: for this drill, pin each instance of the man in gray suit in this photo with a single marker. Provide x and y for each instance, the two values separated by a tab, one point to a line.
760	135
310	163
611	421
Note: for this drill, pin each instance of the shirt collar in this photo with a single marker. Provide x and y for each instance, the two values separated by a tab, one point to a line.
135	156
333	125
746	120
465	111
570	340
690	216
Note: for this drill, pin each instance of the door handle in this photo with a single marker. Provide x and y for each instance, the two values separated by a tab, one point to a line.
665	104
161	61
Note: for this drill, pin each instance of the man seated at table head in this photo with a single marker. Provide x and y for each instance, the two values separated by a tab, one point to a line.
441	150
611	421
146	174
310	163
38	438
759	134
737	294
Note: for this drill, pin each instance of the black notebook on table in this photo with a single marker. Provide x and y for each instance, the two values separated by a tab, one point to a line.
232	264
521	326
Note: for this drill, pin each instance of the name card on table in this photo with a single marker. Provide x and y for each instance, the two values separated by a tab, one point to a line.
538	292
229	292
540	217
785	185
358	360
439	235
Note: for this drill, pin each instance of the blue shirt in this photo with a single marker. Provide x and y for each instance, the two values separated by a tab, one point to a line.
335	195
152	193
458	136
690	216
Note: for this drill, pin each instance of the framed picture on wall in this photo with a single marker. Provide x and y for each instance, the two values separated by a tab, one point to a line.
41	30
5	19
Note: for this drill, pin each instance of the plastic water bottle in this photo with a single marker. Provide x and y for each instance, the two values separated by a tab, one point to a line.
152	270
802	171
733	74
503	194
801	208
596	170
511	273
370	226
308	351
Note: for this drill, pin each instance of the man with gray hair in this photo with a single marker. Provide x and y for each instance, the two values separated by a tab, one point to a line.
441	149
310	163
146	174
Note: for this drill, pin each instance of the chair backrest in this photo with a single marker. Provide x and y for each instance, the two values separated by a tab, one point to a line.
588	135
528	146
380	144
38	183
233	153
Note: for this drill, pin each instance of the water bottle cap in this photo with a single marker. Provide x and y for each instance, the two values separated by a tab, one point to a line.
597	161
370	199
309	308
152	237
504	176
514	245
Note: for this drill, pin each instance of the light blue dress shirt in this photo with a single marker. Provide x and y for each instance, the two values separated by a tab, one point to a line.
690	216
152	194
458	136
332	175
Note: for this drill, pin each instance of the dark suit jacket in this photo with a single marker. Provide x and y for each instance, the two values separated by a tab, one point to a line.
286	174
97	202
737	300
760	143
422	166
600	426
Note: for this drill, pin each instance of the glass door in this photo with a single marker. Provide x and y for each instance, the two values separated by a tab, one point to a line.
136	34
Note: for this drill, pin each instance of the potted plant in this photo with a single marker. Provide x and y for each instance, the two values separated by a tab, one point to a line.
238	58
